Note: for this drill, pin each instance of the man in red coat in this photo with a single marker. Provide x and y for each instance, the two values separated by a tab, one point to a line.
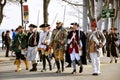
75	45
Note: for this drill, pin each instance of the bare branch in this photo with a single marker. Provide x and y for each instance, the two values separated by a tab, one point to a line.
116	10
4	2
74	3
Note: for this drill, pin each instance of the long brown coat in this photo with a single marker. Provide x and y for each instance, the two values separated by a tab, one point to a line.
58	40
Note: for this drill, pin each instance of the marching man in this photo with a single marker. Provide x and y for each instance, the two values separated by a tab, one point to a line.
43	45
33	38
75	47
95	42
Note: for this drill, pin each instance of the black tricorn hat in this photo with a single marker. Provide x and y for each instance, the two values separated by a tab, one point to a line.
44	25
113	28
75	24
32	25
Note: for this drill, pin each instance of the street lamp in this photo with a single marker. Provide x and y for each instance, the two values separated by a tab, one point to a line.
21	4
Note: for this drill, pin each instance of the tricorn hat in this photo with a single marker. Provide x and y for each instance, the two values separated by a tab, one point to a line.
75	24
113	28
32	25
44	25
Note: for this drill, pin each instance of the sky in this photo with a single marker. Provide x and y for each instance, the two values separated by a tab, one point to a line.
58	10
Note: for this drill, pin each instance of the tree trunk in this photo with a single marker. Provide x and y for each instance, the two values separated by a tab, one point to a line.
106	24
1	10
85	20
45	10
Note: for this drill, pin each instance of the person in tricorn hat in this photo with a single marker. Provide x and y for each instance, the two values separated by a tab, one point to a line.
33	38
43	45
113	47
95	42
58	40
76	40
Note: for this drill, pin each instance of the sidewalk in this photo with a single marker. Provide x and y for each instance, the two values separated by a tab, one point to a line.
2	56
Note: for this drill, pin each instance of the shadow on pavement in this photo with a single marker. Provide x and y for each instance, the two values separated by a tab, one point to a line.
11	74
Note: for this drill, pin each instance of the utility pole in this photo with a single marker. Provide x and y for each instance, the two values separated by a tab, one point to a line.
21	4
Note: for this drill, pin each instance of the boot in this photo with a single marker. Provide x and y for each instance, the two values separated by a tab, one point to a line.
69	65
74	71
44	64
81	67
43	70
58	67
26	64
62	64
49	62
34	67
50	67
18	63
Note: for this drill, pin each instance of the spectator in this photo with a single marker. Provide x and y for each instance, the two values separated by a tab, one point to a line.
13	34
3	40
112	38
7	42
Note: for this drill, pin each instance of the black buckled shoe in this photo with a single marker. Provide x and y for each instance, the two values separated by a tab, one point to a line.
58	71
115	61
68	66
81	69
33	69
43	70
95	74
74	71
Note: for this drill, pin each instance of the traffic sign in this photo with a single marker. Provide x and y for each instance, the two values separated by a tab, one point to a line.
107	13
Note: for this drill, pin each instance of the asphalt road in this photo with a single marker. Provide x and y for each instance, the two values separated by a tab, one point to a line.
7	71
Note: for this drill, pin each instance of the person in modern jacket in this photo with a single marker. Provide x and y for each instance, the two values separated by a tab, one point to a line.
7	42
113	47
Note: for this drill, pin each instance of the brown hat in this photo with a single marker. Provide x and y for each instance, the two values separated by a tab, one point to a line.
20	27
58	22
32	25
44	25
7	31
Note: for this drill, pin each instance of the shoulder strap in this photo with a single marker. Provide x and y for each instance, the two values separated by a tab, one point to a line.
46	36
57	34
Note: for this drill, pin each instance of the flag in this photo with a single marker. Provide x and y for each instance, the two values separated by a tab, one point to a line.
25	14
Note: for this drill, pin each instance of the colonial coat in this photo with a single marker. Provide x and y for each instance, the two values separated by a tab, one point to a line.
33	39
80	36
58	36
19	42
99	36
